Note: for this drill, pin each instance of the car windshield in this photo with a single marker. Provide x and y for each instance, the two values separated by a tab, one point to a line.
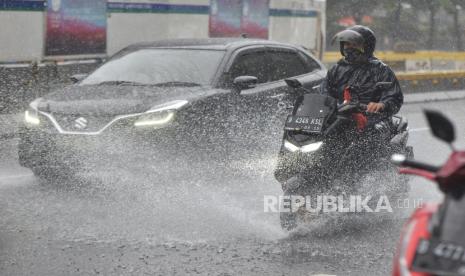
158	67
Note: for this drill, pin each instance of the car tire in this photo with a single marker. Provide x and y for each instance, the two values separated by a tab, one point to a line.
52	175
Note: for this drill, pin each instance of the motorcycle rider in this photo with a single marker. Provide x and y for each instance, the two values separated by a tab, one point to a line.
359	68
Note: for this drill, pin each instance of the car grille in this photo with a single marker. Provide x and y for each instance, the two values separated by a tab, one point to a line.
82	123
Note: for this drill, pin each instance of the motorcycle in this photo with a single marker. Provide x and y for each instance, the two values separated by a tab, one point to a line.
432	240
324	142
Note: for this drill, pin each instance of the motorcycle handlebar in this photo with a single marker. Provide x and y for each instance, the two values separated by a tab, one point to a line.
422	166
401	160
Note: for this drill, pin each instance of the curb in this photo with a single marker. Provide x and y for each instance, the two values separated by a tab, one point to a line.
415	98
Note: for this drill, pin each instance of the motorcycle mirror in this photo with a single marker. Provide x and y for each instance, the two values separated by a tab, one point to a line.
398	159
294	83
441	127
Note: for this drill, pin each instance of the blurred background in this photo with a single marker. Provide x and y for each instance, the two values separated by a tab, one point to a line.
403	25
44	42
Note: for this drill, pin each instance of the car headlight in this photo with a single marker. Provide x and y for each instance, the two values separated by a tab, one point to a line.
305	149
31	117
160	115
155	119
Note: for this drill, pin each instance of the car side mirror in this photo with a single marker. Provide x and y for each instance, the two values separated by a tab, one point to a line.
78	77
294	83
245	82
441	127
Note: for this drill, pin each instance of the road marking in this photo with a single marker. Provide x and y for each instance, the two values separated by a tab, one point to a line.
419	129
15	176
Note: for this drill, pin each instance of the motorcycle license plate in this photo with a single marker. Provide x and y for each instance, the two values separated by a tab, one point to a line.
438	257
303	123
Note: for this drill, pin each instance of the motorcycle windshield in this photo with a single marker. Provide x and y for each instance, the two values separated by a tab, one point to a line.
311	113
315	105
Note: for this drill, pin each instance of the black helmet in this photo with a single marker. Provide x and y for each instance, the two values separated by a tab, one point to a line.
357	34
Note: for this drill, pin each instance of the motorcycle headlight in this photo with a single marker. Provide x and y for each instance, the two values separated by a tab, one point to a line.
290	147
31	117
305	149
311	147
155	119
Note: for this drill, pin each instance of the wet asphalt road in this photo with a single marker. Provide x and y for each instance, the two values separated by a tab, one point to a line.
119	223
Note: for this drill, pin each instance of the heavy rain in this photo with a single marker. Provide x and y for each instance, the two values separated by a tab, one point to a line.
232	137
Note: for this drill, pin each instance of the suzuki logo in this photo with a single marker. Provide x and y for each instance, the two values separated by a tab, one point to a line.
80	123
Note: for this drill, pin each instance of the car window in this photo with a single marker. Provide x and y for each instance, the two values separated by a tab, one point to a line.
251	64
312	64
287	64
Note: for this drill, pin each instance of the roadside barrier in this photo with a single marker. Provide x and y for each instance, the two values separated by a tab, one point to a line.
414	61
20	83
421	71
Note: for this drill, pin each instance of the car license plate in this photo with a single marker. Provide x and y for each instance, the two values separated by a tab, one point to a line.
438	257
304	124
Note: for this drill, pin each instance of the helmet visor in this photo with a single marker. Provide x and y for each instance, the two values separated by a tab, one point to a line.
348	36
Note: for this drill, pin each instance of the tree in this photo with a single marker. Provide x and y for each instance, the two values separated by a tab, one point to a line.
337	9
454	7
432	7
355	8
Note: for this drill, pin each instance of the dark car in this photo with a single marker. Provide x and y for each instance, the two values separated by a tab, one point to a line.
171	95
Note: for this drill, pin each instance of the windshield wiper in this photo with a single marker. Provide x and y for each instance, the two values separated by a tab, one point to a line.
176	83
169	83
120	83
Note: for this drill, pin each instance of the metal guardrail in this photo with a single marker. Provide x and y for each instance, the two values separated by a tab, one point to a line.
422	75
421	70
390	56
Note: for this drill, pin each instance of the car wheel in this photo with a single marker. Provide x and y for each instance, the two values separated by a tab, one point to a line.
52	174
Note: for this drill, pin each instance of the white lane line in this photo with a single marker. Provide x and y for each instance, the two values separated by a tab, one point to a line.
15	176
419	129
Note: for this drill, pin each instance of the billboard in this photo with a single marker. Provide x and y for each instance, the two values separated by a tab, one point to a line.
255	14
225	18
76	27
231	18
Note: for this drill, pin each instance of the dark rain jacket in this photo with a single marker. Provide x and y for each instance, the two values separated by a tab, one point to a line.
365	76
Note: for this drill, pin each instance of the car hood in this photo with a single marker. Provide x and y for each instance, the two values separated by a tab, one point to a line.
116	100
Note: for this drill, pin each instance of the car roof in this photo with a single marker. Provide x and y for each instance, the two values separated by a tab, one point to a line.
205	43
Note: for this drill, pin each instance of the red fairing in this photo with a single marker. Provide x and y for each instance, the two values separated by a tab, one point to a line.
422	173
347	96
453	172
361	121
420	221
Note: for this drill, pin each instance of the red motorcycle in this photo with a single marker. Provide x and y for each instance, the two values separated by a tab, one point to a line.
433	239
